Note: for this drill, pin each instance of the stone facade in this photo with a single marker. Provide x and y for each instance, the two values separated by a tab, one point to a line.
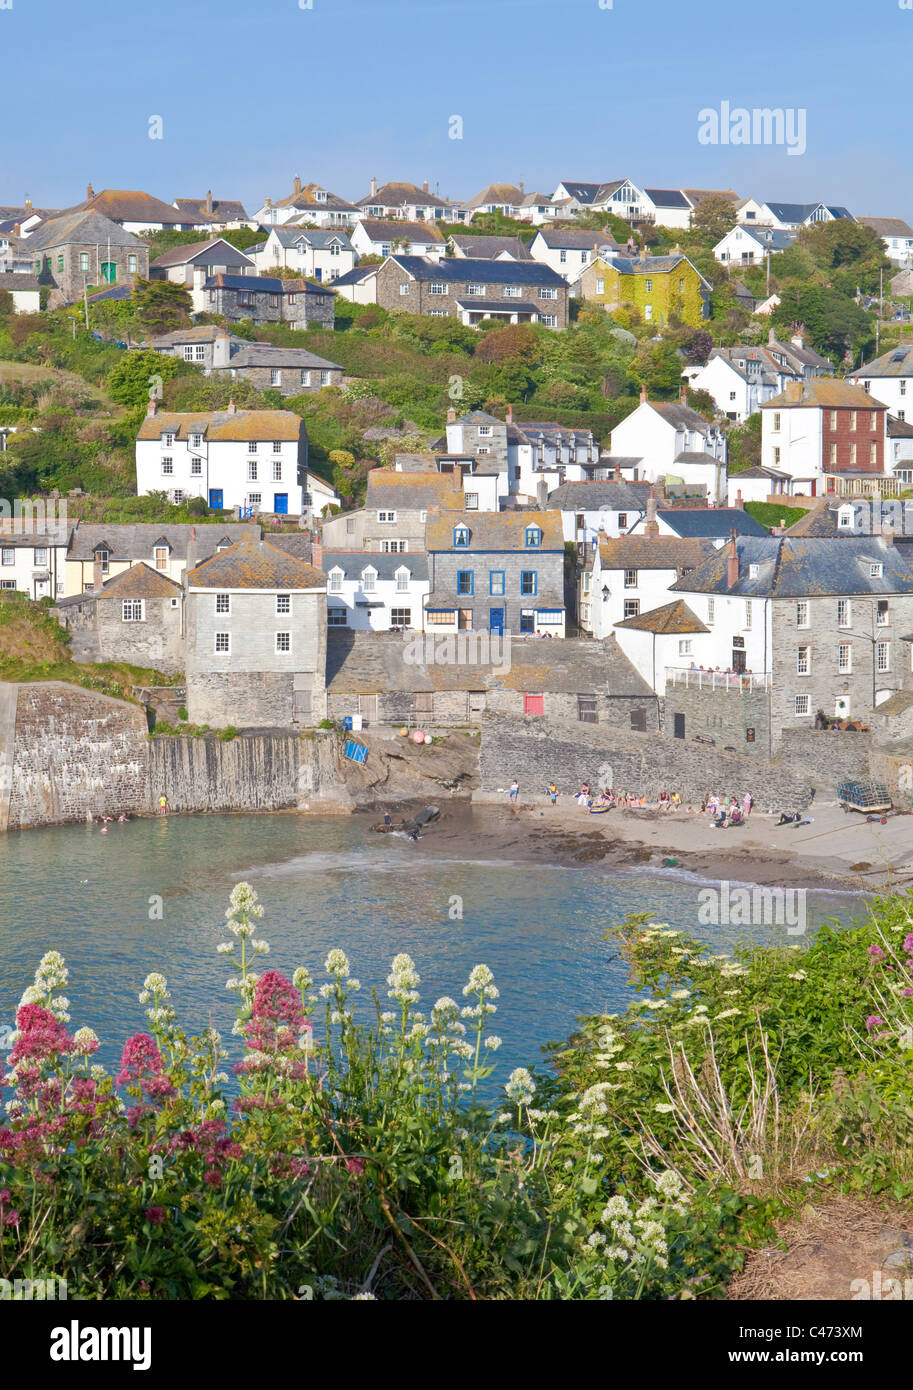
154	640
400	291
733	719
288	380
264	301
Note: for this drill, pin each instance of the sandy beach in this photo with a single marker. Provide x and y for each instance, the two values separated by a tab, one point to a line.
837	850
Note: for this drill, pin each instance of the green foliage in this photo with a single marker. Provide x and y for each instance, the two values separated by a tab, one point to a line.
713	217
744	444
160	306
134	380
837	325
772	514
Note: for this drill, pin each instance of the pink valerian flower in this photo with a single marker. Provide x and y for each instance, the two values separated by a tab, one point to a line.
40	1036
213	1177
4	1197
906	993
873	1021
276	1017
356	1166
155	1215
876	953
141	1066
908	944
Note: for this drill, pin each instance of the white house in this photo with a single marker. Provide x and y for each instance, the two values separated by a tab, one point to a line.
25	290
889	379
214	214
569	250
620	196
740	379
749	245
409	202
373	236
375	592
791	216
757	484
315	255
33	561
897	236
668	207
310	203
194	264
589	509
252	459
358	285
631	575
671	441
539	209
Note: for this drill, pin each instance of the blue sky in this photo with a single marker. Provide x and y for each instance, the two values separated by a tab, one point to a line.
251	94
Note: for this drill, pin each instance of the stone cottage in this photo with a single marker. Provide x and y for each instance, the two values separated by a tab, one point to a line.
79	249
137	616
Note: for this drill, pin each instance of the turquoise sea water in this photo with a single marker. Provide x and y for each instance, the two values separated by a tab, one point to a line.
325	883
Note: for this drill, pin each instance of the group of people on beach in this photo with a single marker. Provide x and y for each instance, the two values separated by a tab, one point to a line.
723	810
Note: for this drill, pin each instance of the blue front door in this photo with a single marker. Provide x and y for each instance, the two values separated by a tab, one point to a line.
280	503
496	620
215	498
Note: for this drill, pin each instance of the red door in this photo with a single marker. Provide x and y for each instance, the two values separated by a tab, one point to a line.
533	704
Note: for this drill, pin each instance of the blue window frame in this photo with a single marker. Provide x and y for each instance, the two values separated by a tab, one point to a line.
529	582
496	582
465	582
460	537
533	536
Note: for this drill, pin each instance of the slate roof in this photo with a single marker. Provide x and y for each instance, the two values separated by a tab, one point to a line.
306	197
223	210
486	248
10	280
803	567
888	226
297	543
681	417
136	540
395	195
140	581
255	565
668	198
368	662
651	265
354	562
494	531
84	227
262	355
316	237
899	429
223	424
778	239
264	284
200	333
896	363
671	619
640	552
388	489
697	195
180	255
711	522
822	393
355	277
133	205
575	239
798	212
385	229
600	495
499	306
484	272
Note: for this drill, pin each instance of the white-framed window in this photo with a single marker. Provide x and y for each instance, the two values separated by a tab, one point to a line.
394	547
883	656
648	286
277	446
748	613
103	555
844	613
304	378
776	424
548	292
223	603
336	617
335	585
283	603
475	289
196	441
283	641
512	291
402	580
437	287
404	289
711	612
275	376
550	320
630	579
41	555
222	643
369	581
196	467
199	353
188	352
252	470
167	439
177	496
845	518
600	284
167	464
472	501
685	646
133	610
845	658
277	470
802	613
254	499
400	617
876	570
252	446
803	661
386	516
803	704
648	312
484	431
632	607
160	557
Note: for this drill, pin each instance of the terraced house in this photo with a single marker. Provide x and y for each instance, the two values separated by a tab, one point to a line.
656	288
265	299
472	290
495	571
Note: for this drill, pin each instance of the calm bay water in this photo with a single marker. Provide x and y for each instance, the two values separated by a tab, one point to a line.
324	883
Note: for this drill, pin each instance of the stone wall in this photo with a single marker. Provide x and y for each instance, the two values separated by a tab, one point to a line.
77	754
537	752
254	772
728	717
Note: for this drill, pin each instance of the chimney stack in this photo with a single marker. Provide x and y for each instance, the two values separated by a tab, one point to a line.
510	415
316	551
771	338
651	525
297	187
209	200
221	348
732	563
232	408
451	415
738	500
684	393
521	186
96	575
152	407
90	192
28	204
458	477
643	394
373	187
617	477
425	186
542	494
191	561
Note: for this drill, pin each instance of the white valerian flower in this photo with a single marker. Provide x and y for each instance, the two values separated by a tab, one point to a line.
244	908
505	1117
337	963
157	984
259	946
728	1013
520	1086
624	1066
800	975
492	1042
364	1297
301	979
97	1072
681	993
664	1109
480	977
225	948
403	980
655	1004
669	1185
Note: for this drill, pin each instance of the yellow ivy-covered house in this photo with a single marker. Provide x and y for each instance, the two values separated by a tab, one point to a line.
659	288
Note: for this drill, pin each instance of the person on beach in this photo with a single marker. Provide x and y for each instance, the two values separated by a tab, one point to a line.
663	803
552	792
675	801
514	792
747	803
163	804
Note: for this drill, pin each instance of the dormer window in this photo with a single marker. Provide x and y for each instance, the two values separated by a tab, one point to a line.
335	581
103	556
876	570
461	537
533	536
167	439
845	518
402	580
224	544
368	580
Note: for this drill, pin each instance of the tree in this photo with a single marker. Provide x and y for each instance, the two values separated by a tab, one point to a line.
7	306
658	367
713	217
133	380
837	325
698	347
160	306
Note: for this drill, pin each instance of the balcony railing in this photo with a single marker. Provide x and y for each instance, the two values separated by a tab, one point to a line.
701	678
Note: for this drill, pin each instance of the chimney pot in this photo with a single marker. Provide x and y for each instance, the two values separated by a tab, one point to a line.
152	407
297	187
451	415
90	192
373	187
651	525
316	552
